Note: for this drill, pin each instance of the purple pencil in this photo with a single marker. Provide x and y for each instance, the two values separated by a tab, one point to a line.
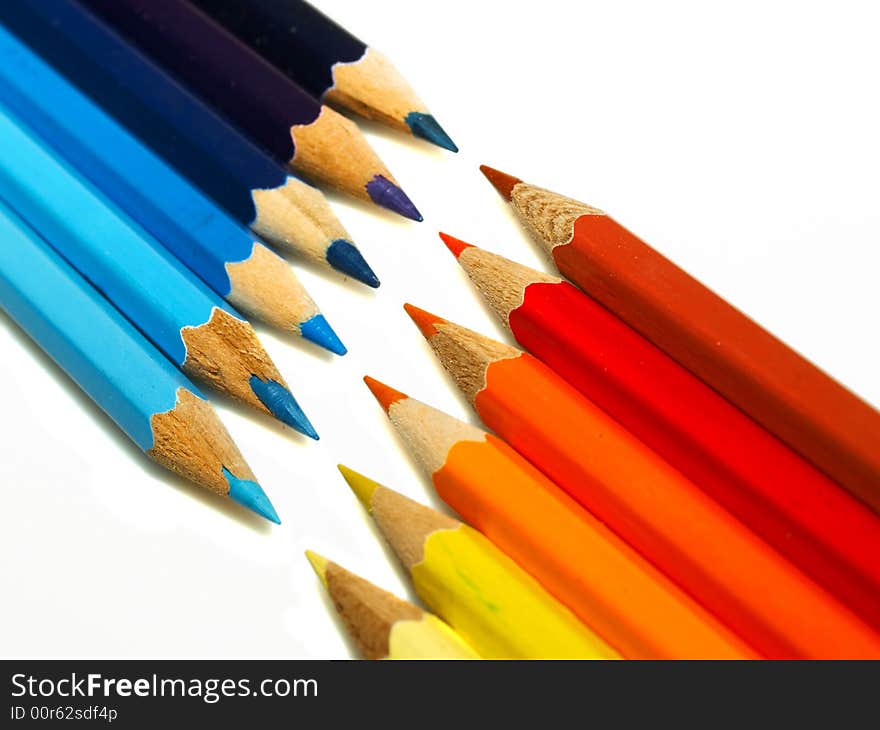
275	112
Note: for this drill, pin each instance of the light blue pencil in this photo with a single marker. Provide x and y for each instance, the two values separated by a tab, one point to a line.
222	253
147	397
195	329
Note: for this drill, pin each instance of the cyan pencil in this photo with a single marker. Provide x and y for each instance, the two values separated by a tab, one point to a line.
274	111
148	398
243	180
224	255
195	329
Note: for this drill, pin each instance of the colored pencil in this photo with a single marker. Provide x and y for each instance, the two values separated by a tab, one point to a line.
195	329
796	508
224	255
328	62
243	180
790	396
148	398
652	506
382	625
605	583
496	607
276	113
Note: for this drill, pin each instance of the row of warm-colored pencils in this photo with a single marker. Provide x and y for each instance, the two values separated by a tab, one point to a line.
146	152
679	480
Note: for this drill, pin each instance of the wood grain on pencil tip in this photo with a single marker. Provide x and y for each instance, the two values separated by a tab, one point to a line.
606	584
798	509
329	62
382	625
686	534
498	609
146	396
277	113
238	176
815	415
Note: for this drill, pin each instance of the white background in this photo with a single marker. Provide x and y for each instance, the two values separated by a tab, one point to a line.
741	141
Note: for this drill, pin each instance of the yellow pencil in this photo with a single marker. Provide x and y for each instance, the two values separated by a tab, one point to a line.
495	606
384	626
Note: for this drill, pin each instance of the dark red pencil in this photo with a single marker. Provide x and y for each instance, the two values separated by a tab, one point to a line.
792	505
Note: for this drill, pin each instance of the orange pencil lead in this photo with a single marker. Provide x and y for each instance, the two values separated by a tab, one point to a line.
425	321
502	182
385	394
455	245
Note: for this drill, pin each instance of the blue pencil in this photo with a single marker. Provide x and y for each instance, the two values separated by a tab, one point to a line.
203	237
147	397
249	185
195	329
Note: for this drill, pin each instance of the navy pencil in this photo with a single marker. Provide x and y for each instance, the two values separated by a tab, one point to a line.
242	179
274	111
328	61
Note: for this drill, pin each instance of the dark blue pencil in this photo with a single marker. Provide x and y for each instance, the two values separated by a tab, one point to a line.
328	61
274	111
251	187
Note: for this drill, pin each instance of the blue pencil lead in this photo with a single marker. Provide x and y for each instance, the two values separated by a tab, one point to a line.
385	193
344	256
281	404
251	495
426	127
318	330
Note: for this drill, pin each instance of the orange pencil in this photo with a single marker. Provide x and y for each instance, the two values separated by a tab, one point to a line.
653	507
603	581
784	392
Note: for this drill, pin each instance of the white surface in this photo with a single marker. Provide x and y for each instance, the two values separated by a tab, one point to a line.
740	142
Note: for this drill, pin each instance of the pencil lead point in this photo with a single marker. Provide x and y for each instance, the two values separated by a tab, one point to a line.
425	321
251	495
455	245
501	181
318	330
385	394
362	487
280	402
319	565
426	127
385	193
344	256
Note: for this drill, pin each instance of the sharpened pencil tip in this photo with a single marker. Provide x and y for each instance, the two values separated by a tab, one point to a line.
426	127
251	495
385	394
318	330
363	487
343	256
319	565
280	403
455	245
385	193
501	181
425	321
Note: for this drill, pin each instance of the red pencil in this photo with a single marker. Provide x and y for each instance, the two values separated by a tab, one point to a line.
800	511
788	395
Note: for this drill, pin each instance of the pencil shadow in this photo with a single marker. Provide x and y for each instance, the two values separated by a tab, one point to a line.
369	208
225	506
385	132
262	419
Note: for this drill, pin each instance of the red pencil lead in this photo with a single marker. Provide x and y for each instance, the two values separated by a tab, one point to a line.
456	245
503	182
385	394
425	321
